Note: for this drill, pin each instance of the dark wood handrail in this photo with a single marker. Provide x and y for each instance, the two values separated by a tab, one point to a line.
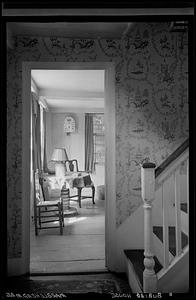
171	158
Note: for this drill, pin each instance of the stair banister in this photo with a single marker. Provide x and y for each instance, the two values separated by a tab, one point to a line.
177	197
148	193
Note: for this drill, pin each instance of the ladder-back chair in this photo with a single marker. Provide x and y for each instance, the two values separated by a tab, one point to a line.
72	166
46	210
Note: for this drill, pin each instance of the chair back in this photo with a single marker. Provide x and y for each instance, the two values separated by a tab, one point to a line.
41	187
71	165
36	184
65	197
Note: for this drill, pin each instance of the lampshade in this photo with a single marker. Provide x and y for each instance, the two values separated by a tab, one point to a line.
59	154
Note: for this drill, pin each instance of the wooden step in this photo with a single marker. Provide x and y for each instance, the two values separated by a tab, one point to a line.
158	231
137	259
183	207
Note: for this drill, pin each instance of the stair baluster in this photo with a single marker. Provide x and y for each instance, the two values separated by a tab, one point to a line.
177	211
148	192
187	192
165	225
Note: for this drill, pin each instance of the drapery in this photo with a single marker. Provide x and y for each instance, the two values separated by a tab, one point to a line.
36	133
45	166
89	143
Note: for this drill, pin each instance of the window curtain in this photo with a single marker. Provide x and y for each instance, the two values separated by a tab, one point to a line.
45	165
36	133
89	143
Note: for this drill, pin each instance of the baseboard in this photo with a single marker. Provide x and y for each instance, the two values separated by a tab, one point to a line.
104	271
15	267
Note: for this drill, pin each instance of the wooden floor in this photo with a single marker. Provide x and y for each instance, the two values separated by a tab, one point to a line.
81	248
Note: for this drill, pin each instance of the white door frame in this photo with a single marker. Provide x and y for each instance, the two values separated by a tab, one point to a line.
110	161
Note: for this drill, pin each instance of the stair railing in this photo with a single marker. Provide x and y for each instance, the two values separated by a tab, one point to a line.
148	193
151	180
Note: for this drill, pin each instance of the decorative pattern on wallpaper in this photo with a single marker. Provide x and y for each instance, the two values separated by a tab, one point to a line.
151	105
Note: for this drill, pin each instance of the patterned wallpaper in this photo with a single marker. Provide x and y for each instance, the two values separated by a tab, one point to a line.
151	105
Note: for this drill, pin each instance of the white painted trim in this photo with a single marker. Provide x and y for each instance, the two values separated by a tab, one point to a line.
61	94
158	250
26	185
171	168
64	104
77	110
110	167
34	86
43	103
167	279
98	12
110	180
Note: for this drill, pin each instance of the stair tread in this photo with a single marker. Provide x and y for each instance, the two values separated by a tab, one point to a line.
184	207
136	257
158	231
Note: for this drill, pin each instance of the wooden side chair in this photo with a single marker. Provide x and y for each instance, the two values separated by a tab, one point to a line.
65	198
46	210
72	166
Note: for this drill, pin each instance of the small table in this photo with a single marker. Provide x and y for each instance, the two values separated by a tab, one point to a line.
71	179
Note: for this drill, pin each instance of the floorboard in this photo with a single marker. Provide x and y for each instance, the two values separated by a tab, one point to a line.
81	247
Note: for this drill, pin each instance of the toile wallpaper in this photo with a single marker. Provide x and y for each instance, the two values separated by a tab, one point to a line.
151	105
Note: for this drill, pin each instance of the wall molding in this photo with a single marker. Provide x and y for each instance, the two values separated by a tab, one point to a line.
99	12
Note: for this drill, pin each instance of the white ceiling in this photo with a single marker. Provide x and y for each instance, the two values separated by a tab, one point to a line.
70	89
70	80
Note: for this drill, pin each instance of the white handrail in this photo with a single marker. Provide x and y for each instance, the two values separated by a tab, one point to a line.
171	169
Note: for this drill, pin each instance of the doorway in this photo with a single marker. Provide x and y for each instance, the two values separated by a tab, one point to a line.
109	153
81	248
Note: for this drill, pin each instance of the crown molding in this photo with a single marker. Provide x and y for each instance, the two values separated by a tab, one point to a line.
98	11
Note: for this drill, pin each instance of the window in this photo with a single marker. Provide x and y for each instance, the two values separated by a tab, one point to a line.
98	136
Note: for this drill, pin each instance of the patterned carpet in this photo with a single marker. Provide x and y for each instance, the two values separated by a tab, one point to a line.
99	284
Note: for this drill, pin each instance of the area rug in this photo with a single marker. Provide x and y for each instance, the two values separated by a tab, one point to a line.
101	286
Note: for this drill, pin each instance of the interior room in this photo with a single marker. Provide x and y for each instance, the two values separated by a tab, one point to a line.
65	96
98	141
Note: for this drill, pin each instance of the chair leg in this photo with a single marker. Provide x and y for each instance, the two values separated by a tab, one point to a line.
39	217
62	214
35	221
93	194
79	196
60	218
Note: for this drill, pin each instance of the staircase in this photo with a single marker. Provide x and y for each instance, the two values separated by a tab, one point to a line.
163	264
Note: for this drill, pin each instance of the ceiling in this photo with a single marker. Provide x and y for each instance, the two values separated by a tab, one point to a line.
70	89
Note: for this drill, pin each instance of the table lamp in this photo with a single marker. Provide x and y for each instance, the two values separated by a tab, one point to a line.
59	156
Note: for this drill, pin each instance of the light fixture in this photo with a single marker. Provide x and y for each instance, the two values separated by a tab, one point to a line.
59	156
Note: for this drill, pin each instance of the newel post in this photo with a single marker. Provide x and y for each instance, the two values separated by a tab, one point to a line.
148	191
